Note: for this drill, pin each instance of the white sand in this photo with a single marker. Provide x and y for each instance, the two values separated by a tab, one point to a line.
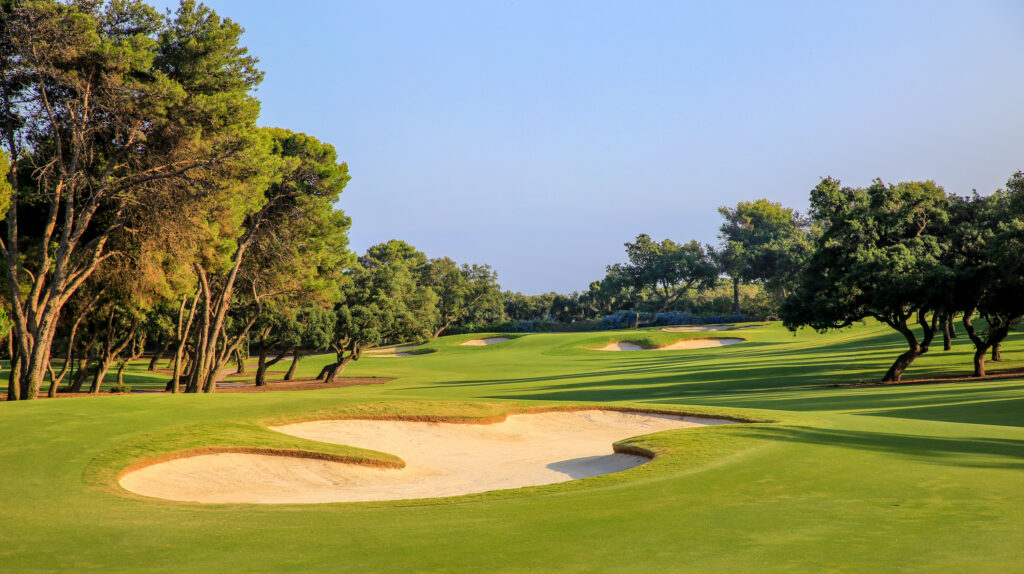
695	328
483	342
389	351
700	344
442	459
621	346
678	345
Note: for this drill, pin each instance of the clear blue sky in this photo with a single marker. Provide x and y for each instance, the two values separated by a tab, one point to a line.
539	136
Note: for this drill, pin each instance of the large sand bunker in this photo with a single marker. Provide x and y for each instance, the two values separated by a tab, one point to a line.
678	345
442	459
483	342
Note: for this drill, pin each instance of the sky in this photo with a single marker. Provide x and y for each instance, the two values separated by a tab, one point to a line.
538	137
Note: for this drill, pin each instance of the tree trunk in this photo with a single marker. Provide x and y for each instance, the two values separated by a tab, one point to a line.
979	360
325	370
946	336
336	369
69	359
736	295
346	354
261	369
992	339
997	354
83	363
158	354
101	373
112	348
240	362
915	349
296	355
261	363
329	372
138	346
216	304
895	372
14	379
52	393
181	339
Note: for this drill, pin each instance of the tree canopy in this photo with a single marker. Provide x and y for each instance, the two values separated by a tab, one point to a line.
879	255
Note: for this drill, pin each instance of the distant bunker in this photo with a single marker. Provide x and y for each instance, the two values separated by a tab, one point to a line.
484	342
696	328
678	345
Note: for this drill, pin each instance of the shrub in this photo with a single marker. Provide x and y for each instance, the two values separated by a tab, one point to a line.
517	327
627	319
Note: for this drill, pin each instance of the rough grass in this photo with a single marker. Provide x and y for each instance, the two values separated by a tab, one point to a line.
918	478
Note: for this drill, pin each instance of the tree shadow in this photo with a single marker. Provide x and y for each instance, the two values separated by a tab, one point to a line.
950	451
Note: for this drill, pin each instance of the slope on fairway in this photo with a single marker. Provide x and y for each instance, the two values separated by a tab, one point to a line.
850	479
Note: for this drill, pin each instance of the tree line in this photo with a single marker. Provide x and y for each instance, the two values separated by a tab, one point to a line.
147	211
751	271
915	258
909	255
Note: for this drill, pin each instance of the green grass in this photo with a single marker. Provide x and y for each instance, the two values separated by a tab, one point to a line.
856	479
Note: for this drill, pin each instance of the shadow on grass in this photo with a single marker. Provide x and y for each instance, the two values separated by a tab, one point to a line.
995	411
950	451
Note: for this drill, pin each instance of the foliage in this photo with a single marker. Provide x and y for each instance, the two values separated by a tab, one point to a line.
627	319
764	241
879	255
986	236
108	108
379	304
518	326
667	268
467	294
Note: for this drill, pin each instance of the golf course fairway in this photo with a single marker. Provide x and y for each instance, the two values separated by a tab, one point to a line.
821	477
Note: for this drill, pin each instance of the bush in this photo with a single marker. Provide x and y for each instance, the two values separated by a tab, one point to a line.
121	389
683	318
516	327
627	319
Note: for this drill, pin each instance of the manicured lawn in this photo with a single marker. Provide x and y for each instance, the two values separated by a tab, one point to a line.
913	478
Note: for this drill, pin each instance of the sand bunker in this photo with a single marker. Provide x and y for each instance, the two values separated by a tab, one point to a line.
442	459
483	342
695	328
678	345
390	351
